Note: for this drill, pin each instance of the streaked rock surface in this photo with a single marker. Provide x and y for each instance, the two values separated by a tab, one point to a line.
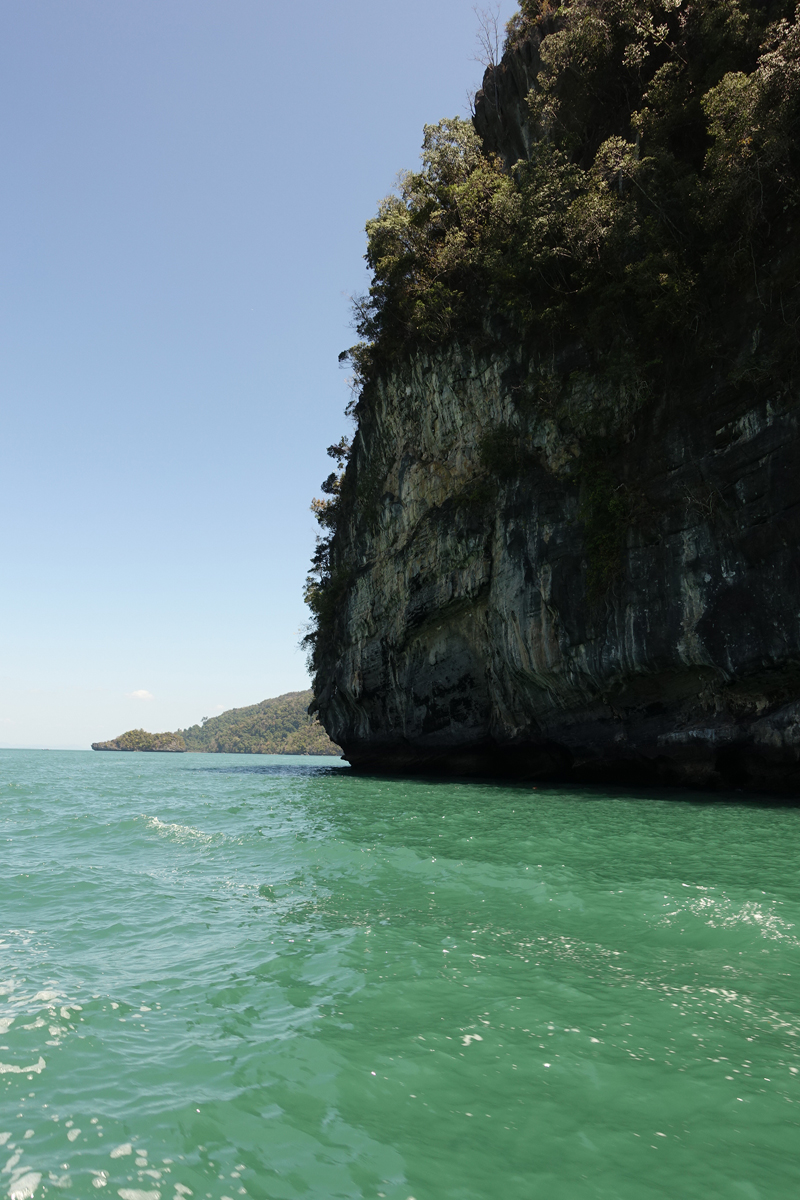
469	639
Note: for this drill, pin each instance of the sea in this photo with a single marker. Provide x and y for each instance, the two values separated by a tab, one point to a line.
228	976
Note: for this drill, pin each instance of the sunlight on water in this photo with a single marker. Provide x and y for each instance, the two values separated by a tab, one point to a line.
227	976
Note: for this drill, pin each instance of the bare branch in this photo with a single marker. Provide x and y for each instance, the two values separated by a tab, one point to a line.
489	36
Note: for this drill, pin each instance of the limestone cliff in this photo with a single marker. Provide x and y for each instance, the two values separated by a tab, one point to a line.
543	568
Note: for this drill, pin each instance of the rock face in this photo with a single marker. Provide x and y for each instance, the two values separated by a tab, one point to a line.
473	642
501	108
598	584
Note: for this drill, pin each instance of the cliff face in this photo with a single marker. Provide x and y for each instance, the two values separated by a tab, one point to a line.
502	118
542	571
472	640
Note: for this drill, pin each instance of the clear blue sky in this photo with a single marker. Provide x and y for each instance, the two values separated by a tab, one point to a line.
184	186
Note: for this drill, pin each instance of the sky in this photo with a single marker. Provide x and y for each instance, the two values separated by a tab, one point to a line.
183	191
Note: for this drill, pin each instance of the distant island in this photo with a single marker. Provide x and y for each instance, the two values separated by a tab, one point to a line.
277	726
140	739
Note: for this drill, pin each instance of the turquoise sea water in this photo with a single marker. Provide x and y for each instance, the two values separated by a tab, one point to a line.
229	975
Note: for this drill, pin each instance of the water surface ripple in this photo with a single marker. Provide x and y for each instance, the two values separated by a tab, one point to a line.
230	975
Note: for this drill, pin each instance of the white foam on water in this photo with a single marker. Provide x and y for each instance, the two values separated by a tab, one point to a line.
5	1024
137	1194
182	832
13	1069
121	1151
12	1162
721	912
25	1186
4	1138
46	995
73	1133
182	1189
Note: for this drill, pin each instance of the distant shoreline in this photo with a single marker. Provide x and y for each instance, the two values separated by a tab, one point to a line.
88	750
281	725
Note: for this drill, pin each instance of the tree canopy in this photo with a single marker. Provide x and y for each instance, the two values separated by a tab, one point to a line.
654	205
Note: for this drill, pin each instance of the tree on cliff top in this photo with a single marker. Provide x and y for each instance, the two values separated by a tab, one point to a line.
665	147
663	174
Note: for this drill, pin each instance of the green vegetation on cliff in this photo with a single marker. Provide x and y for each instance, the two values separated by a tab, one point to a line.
139	739
664	157
278	726
630	246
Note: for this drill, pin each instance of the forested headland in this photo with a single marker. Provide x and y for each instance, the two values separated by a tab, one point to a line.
277	726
